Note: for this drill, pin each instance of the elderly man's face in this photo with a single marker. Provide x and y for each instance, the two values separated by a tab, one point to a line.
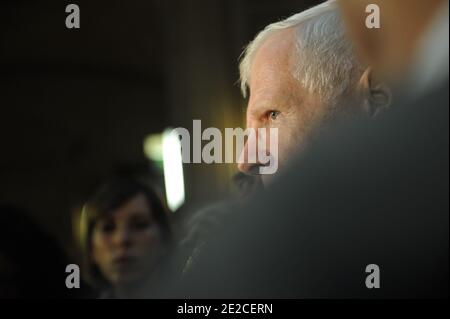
278	100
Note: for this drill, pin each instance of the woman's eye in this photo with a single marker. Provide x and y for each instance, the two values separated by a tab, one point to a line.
273	115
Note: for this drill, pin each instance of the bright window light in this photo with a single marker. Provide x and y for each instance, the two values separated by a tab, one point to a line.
173	169
153	147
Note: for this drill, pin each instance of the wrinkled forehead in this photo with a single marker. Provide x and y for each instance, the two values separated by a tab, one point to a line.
273	66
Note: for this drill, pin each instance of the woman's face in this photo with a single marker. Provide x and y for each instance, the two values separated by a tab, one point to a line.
127	243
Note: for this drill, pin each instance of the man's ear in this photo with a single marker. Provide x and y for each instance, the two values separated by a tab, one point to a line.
376	95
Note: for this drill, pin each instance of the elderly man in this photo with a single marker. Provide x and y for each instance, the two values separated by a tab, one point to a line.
301	73
363	213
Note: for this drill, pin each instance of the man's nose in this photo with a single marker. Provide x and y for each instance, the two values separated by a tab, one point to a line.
249	162
244	165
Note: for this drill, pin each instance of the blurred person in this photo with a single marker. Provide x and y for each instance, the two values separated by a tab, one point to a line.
127	239
246	185
301	73
366	193
411	47
32	265
203	224
200	227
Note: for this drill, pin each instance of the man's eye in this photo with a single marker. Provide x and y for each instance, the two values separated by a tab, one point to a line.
273	115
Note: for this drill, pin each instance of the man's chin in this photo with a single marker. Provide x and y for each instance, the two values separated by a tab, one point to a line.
267	179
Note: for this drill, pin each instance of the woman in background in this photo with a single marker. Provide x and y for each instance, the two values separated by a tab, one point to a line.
126	237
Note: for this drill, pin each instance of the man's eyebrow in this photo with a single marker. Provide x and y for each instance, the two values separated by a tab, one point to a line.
267	106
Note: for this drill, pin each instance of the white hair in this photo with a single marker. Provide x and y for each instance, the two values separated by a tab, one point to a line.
326	61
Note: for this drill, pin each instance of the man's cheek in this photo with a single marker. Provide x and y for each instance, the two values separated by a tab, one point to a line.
266	179
283	147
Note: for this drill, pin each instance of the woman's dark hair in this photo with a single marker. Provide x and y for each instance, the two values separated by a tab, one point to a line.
108	197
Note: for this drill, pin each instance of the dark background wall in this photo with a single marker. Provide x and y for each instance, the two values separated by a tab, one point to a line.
75	105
